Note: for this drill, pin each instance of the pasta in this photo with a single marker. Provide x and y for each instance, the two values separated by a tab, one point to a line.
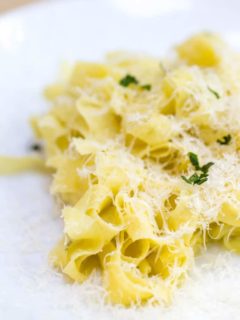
13	165
146	164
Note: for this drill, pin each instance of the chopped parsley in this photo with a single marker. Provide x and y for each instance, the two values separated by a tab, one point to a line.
127	80
225	140
36	147
196	179
206	167
146	87
201	174
216	94
194	160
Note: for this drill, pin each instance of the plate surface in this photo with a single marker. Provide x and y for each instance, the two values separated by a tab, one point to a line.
34	41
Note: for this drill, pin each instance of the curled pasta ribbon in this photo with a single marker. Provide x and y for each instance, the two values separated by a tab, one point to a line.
135	251
76	260
127	285
231	240
93	217
230	214
13	165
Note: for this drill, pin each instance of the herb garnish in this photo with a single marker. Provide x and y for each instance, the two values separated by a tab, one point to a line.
196	179
36	147
146	87
225	140
217	95
127	80
202	176
194	160
206	167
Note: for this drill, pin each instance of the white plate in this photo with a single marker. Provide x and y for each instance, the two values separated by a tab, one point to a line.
33	42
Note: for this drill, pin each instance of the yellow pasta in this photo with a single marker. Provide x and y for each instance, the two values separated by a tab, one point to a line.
146	165
12	165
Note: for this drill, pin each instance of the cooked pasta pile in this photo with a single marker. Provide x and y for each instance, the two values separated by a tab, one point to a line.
146	166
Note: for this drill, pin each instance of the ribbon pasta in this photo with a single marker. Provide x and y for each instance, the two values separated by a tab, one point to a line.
118	153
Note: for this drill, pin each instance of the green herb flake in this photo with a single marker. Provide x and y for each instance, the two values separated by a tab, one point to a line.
194	160
216	94
206	167
186	179
196	179
146	87
36	147
127	80
202	176
225	140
